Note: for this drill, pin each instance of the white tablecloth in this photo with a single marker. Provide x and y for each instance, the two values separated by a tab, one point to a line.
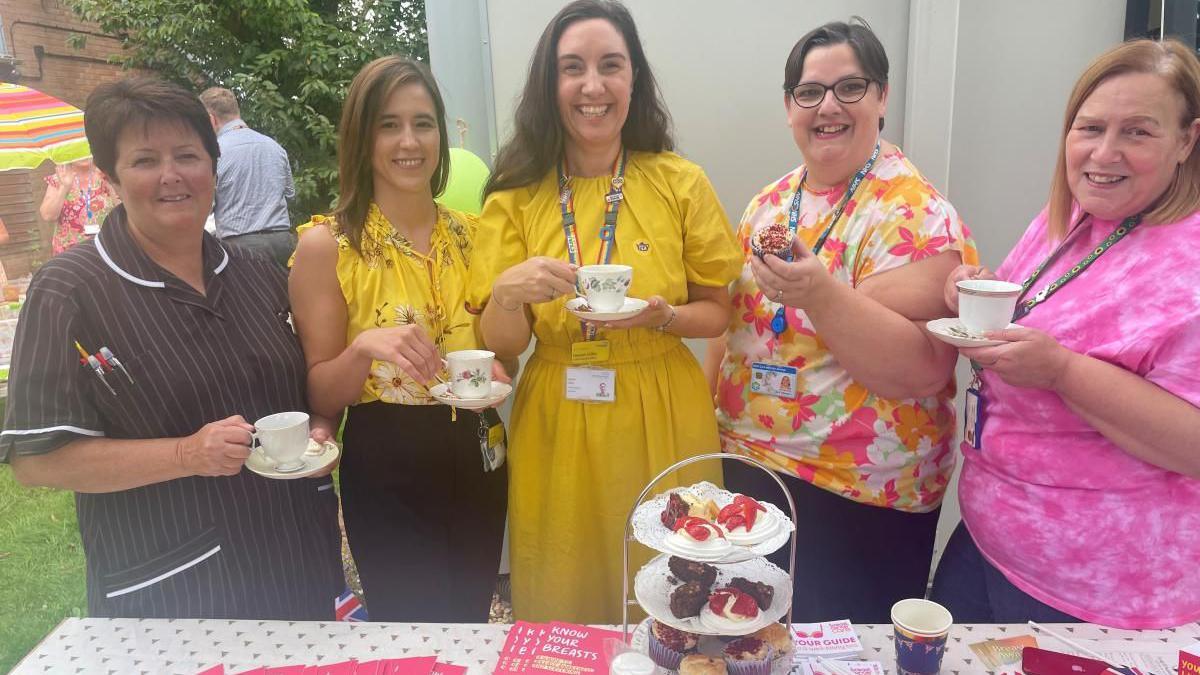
186	646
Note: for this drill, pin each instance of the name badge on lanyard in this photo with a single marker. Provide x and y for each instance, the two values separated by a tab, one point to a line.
584	383
769	379
973	414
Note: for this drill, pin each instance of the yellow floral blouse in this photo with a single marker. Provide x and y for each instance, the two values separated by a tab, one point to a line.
391	284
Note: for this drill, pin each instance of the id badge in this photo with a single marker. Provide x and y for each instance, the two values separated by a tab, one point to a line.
769	379
588	352
973	417
493	445
591	385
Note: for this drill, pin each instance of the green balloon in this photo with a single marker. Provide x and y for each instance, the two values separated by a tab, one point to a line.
464	186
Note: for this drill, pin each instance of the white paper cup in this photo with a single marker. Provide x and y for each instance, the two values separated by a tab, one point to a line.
605	286
986	304
283	438
470	372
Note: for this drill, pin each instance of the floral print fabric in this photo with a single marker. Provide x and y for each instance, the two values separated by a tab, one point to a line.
836	434
389	283
74	214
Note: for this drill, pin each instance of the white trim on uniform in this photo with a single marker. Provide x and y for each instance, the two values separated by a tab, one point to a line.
129	277
218	268
63	427
169	573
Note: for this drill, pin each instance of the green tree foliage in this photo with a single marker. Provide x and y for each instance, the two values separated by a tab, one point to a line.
288	61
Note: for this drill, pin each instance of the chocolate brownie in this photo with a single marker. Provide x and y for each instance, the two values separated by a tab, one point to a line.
687	600
688	570
676	509
762	593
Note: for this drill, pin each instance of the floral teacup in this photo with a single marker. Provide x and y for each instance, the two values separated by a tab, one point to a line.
470	373
605	286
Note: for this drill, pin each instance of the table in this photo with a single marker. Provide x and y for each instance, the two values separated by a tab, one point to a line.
185	646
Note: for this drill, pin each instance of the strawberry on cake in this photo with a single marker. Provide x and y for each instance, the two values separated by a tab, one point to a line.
746	522
697	539
729	611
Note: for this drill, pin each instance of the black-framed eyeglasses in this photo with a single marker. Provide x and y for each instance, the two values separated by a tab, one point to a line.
846	90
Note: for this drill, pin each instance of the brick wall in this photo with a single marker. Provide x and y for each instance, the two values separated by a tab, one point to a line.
36	33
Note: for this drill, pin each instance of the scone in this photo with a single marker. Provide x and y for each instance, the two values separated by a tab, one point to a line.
699	664
778	637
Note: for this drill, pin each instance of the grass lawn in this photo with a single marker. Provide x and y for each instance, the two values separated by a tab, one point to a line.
42	578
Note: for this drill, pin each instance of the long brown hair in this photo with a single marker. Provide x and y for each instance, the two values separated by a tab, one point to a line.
1177	64
368	93
537	140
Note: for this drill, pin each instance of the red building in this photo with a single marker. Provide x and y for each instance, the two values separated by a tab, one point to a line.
35	52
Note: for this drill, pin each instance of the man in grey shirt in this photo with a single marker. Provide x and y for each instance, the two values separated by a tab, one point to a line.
254	182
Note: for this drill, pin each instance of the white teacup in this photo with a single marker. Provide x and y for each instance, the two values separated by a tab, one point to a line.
605	286
283	438
986	304
470	372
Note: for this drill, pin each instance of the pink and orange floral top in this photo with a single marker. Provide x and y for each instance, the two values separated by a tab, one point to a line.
1063	512
87	203
835	434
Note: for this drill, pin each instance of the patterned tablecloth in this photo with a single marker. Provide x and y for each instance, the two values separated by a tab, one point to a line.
186	646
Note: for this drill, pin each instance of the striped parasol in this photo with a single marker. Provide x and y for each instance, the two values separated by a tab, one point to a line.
35	127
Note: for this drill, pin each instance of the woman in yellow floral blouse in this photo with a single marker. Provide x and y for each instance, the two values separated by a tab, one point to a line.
829	377
377	293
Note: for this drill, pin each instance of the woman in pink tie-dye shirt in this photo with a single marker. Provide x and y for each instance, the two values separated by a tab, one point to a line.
1082	499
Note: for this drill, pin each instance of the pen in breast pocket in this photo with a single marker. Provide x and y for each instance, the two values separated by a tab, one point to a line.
95	364
117	365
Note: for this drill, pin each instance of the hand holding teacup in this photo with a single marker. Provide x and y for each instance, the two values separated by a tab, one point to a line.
218	449
962	273
537	280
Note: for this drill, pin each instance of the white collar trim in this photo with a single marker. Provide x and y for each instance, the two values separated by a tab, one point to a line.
146	282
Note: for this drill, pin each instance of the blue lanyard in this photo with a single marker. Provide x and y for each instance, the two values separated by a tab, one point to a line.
608	232
779	322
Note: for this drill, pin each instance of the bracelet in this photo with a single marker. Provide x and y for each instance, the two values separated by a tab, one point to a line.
671	320
507	309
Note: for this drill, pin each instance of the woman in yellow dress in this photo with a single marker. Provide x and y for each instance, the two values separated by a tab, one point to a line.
591	125
377	291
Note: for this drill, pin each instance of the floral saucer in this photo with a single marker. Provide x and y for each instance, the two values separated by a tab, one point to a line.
631	308
952	331
442	393
311	462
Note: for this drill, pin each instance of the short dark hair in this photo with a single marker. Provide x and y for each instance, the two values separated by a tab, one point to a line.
537	140
113	106
862	40
365	100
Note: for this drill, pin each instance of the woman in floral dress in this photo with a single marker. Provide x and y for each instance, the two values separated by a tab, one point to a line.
860	429
77	198
377	294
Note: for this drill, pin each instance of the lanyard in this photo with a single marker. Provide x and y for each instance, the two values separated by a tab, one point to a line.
608	232
1025	306
779	323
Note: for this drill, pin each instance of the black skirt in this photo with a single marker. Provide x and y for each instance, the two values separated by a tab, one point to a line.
424	521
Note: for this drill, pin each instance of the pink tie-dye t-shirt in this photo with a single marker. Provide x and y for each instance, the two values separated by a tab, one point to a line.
1063	512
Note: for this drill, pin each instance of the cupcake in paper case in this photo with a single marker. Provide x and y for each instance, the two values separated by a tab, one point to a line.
778	638
774	239
748	656
699	664
669	645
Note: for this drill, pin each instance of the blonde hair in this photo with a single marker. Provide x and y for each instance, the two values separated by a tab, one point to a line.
1169	59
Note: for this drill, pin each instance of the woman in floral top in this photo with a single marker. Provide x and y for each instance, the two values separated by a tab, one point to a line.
78	198
377	290
829	377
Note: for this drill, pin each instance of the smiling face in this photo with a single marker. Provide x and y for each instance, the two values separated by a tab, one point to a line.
164	177
407	142
835	138
595	82
1125	145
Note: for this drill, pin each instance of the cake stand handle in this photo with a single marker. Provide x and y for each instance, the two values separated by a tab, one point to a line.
675	467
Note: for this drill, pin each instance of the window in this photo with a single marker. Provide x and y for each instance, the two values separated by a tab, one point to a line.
1163	18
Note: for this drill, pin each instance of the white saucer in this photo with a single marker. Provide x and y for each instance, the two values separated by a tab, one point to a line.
442	393
952	331
264	466
631	308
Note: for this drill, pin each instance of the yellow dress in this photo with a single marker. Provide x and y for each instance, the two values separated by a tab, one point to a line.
575	468
389	283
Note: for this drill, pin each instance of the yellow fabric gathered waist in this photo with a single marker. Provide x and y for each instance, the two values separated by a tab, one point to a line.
621	352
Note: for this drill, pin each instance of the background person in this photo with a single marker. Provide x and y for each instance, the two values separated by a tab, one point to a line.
862	433
77	200
1082	501
254	182
172	526
591	109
